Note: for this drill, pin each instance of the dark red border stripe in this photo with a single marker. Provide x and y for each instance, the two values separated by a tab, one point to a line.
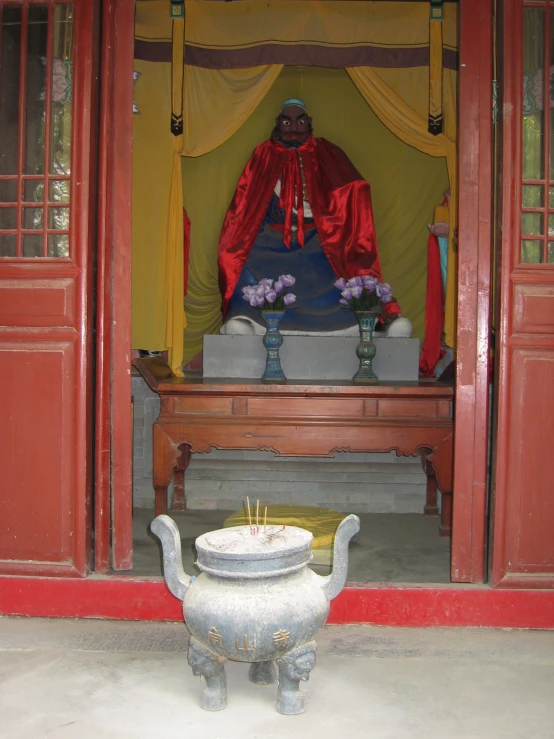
153	51
308	55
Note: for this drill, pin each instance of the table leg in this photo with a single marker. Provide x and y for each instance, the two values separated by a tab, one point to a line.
431	499
445	528
183	461
441	460
165	456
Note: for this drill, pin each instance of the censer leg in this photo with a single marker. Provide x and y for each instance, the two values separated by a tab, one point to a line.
262	673
294	667
210	666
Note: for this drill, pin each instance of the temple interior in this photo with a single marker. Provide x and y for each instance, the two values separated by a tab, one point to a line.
407	183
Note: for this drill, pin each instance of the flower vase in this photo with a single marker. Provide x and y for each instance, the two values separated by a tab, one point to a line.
366	348
272	341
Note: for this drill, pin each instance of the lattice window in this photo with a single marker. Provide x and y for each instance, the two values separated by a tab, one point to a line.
36	65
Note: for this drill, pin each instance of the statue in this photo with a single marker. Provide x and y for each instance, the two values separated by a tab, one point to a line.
300	208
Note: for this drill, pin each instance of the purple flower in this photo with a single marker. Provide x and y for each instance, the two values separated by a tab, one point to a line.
386	298
257	301
357	291
341	283
384	290
343	301
266	282
278	286
355	282
287	280
289	298
271	296
260	291
347	293
370	283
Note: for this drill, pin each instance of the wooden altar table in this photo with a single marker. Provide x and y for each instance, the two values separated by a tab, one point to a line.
299	419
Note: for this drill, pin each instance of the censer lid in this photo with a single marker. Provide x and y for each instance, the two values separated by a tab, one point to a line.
250	551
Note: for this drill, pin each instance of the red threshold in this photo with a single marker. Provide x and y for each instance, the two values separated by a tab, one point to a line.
132	599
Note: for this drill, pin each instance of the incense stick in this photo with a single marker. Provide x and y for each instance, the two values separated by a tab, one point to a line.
249	517
257	516
265	520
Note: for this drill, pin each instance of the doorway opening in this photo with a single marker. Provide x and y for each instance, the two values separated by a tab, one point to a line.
398	543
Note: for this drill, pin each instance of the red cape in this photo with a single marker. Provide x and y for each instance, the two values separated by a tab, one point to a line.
339	197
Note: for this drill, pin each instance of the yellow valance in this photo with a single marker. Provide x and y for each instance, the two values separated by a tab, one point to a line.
327	23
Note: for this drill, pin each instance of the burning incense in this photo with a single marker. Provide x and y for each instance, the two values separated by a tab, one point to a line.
265	520
257	516
249	517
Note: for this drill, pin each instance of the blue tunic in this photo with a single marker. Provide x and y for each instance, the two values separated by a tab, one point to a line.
317	306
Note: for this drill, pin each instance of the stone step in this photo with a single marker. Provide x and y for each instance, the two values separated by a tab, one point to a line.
394	499
337	458
310	473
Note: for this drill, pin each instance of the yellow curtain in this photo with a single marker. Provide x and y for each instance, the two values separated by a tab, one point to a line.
176	322
405	183
219	101
152	167
157	275
412	129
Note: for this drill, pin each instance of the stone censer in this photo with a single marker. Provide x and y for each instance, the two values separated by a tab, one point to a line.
255	601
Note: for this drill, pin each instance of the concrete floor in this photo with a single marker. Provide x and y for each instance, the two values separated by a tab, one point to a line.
119	680
391	547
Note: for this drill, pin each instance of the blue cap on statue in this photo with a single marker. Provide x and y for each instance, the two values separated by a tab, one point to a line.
294	101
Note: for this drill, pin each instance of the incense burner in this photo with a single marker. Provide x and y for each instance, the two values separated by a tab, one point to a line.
255	601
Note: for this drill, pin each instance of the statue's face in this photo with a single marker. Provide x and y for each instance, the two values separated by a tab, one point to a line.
293	126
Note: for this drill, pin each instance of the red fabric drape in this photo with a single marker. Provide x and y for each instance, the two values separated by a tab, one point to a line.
339	197
434	310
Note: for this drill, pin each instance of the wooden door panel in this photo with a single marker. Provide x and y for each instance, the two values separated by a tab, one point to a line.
46	109
533	309
37	409
19	300
530	489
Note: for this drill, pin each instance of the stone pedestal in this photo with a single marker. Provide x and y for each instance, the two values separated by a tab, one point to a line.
310	358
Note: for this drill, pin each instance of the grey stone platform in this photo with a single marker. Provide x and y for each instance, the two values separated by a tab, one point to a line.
309	357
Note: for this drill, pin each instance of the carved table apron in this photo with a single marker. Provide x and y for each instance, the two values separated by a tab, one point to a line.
299	419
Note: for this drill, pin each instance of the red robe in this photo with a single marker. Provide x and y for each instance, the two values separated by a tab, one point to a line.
339	197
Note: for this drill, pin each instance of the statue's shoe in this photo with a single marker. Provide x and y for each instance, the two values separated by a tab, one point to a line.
401	328
244	326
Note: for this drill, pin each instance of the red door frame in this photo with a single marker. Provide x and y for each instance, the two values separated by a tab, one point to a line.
469	525
113	418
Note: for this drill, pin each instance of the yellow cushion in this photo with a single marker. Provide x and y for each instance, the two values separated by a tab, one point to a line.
320	522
